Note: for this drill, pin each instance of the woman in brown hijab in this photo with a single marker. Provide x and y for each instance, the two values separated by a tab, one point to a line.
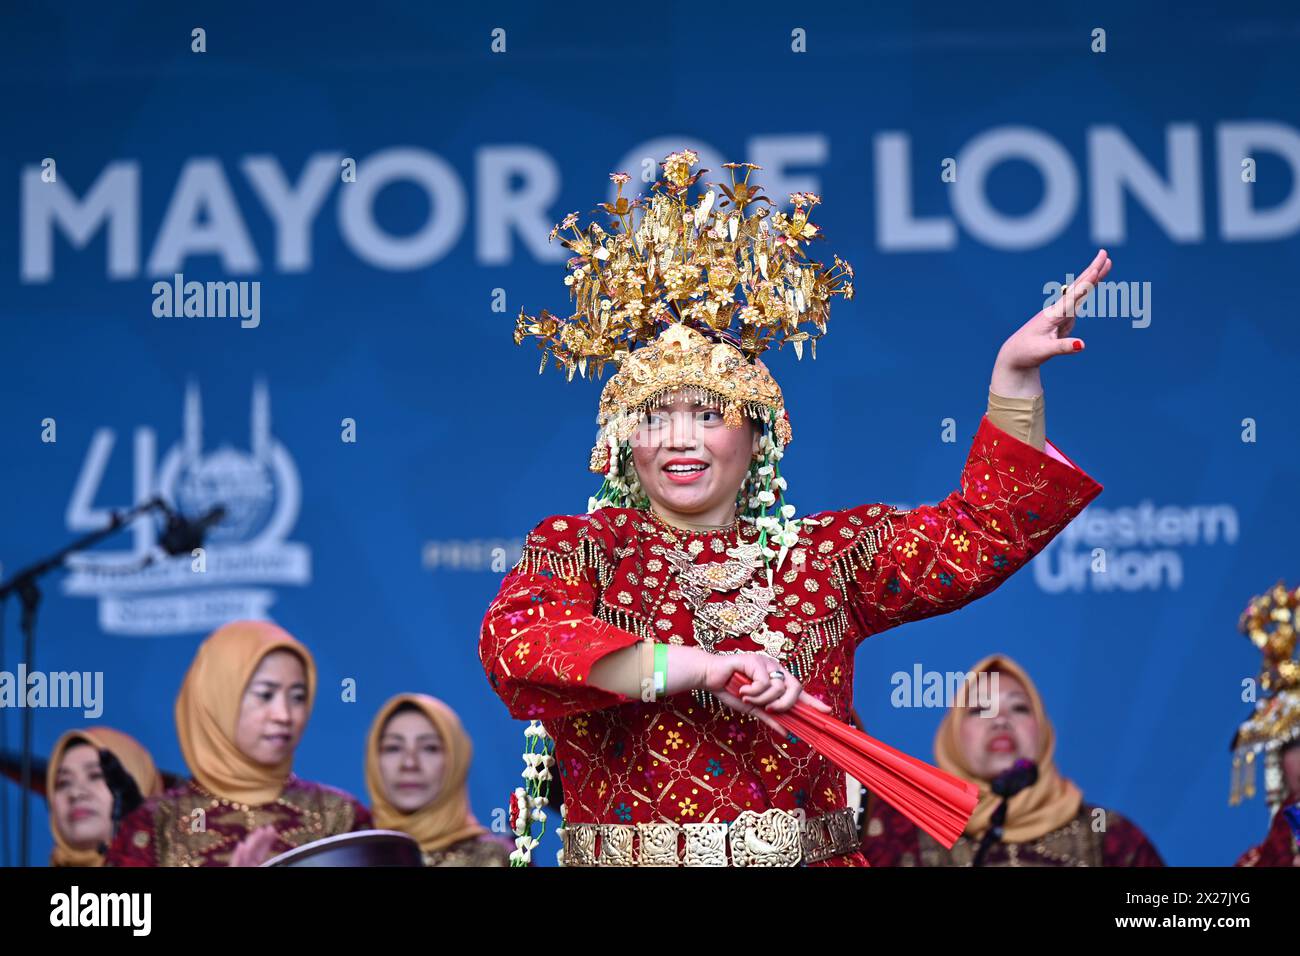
1047	822
417	763
239	716
81	801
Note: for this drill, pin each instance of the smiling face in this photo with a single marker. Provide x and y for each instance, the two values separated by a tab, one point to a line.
273	711
411	760
690	463
83	805
991	744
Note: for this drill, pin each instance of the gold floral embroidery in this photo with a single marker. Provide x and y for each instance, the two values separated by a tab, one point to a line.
559	524
624	597
674	740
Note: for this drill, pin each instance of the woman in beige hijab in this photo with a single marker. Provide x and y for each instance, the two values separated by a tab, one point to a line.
1047	822
81	803
239	716
417	763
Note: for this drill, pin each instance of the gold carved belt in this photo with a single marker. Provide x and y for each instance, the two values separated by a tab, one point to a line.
771	838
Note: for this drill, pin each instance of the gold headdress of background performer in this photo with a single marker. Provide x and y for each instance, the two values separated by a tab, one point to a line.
1270	622
704	286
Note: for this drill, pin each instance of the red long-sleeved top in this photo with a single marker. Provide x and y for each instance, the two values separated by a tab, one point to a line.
589	585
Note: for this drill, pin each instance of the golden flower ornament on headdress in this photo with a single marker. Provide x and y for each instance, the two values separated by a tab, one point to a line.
725	262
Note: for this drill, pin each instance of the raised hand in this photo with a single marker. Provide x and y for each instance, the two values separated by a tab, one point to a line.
1015	373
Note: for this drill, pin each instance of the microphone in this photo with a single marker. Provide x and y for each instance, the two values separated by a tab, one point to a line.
182	535
1021	774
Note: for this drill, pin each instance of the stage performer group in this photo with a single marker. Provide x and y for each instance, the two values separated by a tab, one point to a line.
684	650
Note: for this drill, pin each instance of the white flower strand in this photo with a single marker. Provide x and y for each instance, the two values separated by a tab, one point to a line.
528	802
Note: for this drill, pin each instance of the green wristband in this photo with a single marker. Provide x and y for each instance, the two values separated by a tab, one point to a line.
661	669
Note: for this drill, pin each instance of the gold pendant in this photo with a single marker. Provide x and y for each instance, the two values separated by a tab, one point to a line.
745	615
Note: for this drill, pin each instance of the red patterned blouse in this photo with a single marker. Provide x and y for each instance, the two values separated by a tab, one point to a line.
589	585
1281	847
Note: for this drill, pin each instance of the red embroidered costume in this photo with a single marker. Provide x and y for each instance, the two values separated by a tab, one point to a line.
1281	847
163	831
683	780
588	585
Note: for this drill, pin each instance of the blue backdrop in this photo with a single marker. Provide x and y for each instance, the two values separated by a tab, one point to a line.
389	301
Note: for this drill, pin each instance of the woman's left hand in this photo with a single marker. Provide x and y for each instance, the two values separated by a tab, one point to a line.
1015	373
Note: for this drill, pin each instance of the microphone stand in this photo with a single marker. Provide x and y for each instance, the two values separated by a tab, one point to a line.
23	583
993	834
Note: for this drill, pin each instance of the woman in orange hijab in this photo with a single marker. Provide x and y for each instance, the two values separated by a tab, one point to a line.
80	798
417	764
1047	822
239	716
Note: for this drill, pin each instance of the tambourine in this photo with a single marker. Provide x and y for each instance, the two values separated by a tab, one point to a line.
362	848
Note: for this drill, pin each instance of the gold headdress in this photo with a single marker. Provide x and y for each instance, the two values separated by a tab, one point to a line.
675	277
1270	623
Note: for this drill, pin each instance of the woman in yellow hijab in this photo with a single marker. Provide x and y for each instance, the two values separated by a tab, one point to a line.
239	716
999	721
77	786
417	764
